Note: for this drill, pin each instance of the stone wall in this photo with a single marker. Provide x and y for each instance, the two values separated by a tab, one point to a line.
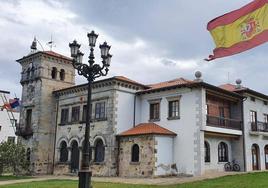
146	165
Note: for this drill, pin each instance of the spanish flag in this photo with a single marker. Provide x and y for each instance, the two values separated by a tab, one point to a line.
239	30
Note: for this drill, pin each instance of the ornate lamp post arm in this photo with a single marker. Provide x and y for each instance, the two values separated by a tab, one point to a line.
90	71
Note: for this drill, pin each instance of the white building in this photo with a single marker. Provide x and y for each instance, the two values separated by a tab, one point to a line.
7	120
175	127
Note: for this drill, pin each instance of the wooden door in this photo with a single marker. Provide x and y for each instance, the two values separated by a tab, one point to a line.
266	156
75	157
255	157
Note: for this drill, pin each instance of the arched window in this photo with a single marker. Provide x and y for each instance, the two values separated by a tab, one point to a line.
28	73
54	73
62	74
28	155
63	152
99	151
207	152
32	71
223	152
135	153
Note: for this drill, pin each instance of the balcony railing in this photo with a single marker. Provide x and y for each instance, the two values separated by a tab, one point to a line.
221	122
23	131
259	126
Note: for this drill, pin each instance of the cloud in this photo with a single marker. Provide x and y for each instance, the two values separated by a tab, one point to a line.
151	40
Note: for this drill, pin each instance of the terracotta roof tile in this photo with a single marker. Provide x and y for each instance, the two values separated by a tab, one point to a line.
231	87
57	55
123	78
147	128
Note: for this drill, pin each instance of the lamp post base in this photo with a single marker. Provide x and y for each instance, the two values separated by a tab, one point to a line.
85	179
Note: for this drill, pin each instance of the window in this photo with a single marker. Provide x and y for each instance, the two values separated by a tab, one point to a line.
28	155
0	127
11	139
154	111
221	114
99	151
28	73
265	102
75	113
28	118
85	112
207	152
54	73
62	74
253	116
64	115
135	153
100	110
265	118
63	152
173	109
223	152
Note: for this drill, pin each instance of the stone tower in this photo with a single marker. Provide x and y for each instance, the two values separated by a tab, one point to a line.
42	73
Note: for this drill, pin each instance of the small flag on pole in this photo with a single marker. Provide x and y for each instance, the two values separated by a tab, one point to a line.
239	30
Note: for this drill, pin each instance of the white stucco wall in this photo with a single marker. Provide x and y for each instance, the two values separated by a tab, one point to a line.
252	138
185	143
6	127
125	110
164	156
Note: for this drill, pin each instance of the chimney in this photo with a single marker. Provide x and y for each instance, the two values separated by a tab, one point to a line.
238	84
198	76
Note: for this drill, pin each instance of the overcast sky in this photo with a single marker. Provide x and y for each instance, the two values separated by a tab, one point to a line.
152	40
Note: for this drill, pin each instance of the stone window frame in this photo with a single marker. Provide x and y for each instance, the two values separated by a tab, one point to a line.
75	109
63	158
54	73
67	116
207	155
101	112
98	161
62	74
223	153
151	103
173	99
135	157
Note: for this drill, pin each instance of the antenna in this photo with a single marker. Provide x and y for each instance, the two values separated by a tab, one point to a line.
51	43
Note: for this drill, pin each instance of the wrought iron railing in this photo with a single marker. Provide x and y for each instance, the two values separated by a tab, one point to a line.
23	131
259	126
221	122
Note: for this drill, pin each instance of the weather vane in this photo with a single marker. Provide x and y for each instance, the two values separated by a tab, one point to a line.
51	43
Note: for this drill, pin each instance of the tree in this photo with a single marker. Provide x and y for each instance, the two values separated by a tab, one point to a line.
13	158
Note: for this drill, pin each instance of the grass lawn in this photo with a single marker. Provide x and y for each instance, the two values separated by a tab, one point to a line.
10	177
253	180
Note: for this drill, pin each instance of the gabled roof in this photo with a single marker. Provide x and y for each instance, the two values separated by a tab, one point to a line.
231	87
147	129
50	53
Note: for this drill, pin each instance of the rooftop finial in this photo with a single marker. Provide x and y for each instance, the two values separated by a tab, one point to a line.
34	46
238	83
198	76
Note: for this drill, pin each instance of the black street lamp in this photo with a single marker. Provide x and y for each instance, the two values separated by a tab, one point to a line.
90	71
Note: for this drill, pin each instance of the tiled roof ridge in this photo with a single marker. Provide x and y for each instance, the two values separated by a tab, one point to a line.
147	128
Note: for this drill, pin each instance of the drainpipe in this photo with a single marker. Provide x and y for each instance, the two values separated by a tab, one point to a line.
243	133
134	114
56	128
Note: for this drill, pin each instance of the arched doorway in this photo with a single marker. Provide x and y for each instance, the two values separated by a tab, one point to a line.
74	157
255	157
266	156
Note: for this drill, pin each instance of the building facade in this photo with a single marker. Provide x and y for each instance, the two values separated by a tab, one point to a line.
175	127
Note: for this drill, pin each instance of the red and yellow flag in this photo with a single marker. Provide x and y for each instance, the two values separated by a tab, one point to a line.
239	30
